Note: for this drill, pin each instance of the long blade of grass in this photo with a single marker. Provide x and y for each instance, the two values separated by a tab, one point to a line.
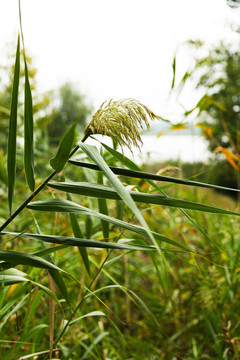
97	339
17	305
56	275
61	205
28	121
106	192
127	291
148	176
174	72
64	149
78	234
131	165
201	230
93	153
102	206
16	258
144	175
28	132
47	291
50	250
13	300
6	280
109	176
92	313
60	284
52	308
62	247
12	135
65	240
36	354
13	272
182	82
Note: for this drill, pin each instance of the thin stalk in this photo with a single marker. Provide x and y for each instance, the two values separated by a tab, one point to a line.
85	294
82	299
20	23
26	202
32	196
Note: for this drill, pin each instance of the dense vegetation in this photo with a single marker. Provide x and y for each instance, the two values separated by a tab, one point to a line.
101	259
217	112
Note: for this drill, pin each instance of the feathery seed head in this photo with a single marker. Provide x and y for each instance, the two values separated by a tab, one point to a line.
121	121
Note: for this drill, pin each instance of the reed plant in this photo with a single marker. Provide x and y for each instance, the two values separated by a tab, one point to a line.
67	245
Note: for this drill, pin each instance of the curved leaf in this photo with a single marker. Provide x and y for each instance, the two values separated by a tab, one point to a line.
78	234
60	205
106	192
65	240
11	279
93	153
12	135
16	258
103	208
92	313
28	132
144	175
64	149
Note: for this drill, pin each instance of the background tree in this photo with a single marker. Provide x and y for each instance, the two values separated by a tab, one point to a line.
219	109
70	105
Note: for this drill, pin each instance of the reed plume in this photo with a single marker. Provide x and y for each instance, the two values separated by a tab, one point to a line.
121	121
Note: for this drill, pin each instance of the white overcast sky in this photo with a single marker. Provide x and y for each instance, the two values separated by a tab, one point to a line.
113	48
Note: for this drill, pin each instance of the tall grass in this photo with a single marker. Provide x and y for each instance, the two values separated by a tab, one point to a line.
90	269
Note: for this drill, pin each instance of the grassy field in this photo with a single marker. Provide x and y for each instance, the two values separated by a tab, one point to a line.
174	304
100	260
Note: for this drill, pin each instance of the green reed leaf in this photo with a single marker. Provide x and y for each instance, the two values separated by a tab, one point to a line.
93	153
12	276
92	313
65	240
137	171
56	275
6	280
12	135
174	71
28	132
50	250
11	279
78	234
47	291
61	205
106	192
144	175
102	207
16	258
64	149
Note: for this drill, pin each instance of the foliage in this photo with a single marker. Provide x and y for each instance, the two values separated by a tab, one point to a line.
87	273
218	73
218	172
217	111
70	106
